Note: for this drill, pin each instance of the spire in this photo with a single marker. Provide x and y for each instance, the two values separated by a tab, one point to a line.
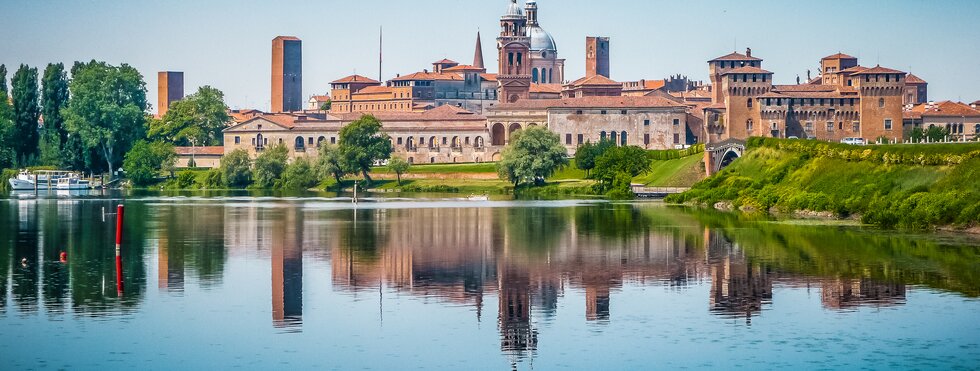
478	55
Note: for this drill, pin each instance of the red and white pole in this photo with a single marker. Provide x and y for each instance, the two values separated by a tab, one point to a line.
119	228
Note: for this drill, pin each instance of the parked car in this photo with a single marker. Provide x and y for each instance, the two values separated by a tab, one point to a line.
854	141
792	137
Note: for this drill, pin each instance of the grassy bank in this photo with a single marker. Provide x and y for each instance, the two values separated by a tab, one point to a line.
681	172
911	186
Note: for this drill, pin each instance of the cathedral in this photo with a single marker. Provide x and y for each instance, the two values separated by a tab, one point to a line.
527	54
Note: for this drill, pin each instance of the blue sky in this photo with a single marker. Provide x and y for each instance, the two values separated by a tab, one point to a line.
226	43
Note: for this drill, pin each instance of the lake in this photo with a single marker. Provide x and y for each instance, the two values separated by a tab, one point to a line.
439	283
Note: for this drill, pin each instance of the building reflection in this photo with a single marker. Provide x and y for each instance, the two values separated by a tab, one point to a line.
287	270
739	288
843	293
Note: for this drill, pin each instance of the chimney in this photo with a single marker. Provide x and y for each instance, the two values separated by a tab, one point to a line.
748	52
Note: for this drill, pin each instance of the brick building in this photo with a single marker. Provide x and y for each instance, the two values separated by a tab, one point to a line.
287	74
170	88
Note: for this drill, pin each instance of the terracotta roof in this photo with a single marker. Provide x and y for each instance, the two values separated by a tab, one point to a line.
913	79
429	76
735	57
445	61
715	106
596	80
441	113
320	98
697	93
489	76
747	69
838	56
356	78
816	81
946	108
464	68
286	38
546	88
375	90
852	70
204	151
593	102
878	70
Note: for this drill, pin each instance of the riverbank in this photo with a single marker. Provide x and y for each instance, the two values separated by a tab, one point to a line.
907	186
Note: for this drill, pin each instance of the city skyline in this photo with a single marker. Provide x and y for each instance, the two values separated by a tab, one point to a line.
232	54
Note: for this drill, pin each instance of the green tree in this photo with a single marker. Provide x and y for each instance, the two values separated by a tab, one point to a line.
362	144
7	154
213	179
628	161
145	160
54	98
107	108
236	169
587	153
197	119
300	174
398	166
329	163
24	92
269	166
326	105
532	155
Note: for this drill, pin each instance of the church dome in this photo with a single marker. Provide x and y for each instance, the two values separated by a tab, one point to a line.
541	40
514	10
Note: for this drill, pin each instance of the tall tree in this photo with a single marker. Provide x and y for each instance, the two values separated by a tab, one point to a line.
24	92
54	98
107	108
7	154
362	144
199	118
532	155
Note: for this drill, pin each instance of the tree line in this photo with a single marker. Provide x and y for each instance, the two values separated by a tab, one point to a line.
89	121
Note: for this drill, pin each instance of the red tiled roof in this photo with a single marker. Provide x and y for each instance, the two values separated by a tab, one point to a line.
715	106
593	102
286	38
852	70
735	57
375	90
595	80
913	79
878	70
445	61
546	88
945	108
203	151
464	68
441	113
838	56
489	76
747	69
356	78
320	98
429	76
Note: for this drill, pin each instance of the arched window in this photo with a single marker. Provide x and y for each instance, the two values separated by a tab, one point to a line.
319	141
299	143
602	135
748	103
410	144
455	142
976	129
258	141
612	136
748	125
622	139
478	142
433	143
497	134
881	102
534	75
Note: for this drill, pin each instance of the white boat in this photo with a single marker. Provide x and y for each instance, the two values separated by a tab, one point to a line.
47	179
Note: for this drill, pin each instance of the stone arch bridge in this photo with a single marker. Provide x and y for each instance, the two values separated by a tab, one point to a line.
719	155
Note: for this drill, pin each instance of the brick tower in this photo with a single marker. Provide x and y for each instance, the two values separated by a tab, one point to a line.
596	56
514	48
287	74
170	88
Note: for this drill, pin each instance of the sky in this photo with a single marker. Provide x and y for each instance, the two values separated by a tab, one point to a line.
227	43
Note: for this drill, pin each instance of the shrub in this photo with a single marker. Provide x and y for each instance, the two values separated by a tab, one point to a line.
269	166
299	175
213	179
186	179
236	169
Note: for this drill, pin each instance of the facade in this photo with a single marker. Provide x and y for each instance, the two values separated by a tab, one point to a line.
592	86
961	121
203	157
170	88
916	90
513	51
546	67
596	56
316	102
848	100
442	135
647	122
287	74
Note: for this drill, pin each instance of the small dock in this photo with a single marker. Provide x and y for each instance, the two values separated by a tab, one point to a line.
656	192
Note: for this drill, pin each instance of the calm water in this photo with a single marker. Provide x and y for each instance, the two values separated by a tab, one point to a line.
274	283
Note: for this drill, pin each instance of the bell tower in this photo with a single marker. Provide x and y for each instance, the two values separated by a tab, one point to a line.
514	47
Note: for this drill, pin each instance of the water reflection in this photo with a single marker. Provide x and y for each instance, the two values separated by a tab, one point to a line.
526	258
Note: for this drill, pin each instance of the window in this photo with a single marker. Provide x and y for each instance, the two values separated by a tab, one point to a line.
580	138
602	112
677	123
677	138
623	112
646	139
881	102
444	141
310	142
612	136
888	124
748	103
830	126
568	139
809	127
238	140
602	135
646	122
333	140
748	125
856	126
399	141
622	139
578	112
976	129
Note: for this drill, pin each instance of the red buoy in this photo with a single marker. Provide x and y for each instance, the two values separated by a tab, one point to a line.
119	226
63	257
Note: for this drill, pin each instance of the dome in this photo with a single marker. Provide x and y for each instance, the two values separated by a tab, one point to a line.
541	40
514	10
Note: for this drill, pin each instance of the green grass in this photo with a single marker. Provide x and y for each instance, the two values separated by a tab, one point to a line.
682	172
569	172
906	194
